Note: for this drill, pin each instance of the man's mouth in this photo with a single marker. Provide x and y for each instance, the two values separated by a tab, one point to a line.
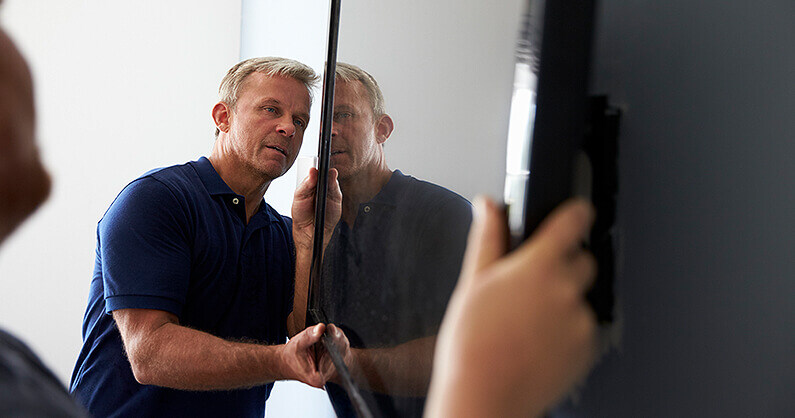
277	148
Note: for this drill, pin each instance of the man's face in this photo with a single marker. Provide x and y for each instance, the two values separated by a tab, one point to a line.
355	144
268	122
24	183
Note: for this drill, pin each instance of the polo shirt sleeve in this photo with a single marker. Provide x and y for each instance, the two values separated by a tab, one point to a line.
145	250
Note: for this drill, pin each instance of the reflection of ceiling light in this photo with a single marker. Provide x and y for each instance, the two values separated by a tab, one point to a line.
522	115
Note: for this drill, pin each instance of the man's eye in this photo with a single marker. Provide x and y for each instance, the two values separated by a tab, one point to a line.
300	123
341	115
269	109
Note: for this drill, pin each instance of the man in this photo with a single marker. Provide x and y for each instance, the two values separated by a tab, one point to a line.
27	386
393	260
190	301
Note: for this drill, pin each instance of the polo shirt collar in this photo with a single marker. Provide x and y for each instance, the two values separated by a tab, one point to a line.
212	180
216	186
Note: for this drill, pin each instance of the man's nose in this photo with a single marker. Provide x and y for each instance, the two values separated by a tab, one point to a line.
333	129
286	127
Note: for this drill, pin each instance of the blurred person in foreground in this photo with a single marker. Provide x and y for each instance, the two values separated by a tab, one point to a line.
27	386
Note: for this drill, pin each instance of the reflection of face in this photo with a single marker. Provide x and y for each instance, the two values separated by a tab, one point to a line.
24	183
268	122
354	144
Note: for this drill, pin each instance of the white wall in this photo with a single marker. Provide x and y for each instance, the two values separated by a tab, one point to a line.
121	87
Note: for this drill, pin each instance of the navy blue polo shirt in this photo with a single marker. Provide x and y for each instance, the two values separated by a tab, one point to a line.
176	239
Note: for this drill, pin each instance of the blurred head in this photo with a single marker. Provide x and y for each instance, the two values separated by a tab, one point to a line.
24	183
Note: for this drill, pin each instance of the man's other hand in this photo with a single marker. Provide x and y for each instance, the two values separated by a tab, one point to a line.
303	210
298	357
518	333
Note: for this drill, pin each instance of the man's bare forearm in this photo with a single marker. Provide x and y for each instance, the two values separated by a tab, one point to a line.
182	358
164	353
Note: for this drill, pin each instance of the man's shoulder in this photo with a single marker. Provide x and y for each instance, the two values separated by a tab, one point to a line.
165	188
415	191
178	174
179	177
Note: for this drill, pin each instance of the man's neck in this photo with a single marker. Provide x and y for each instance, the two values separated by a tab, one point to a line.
243	182
361	188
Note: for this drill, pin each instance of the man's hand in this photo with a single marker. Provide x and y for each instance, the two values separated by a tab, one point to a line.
303	210
298	357
518	332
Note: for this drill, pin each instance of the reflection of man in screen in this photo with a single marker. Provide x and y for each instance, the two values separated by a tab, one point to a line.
394	257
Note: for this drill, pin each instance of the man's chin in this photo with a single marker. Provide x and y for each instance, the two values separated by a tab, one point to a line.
270	172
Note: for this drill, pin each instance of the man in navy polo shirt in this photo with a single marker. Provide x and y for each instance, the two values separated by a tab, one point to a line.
198	282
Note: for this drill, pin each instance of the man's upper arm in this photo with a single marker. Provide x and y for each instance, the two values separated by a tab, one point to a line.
144	248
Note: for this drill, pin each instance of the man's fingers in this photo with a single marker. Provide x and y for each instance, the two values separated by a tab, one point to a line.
334	192
567	226
308	337
487	237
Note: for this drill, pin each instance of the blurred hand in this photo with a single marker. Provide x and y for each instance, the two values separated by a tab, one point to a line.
518	333
298	357
303	210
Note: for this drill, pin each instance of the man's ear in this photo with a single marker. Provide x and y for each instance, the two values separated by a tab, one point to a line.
383	128
221	114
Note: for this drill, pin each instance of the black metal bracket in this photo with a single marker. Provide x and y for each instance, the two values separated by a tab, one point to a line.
601	147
